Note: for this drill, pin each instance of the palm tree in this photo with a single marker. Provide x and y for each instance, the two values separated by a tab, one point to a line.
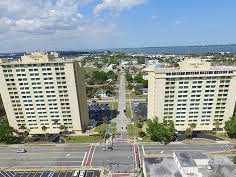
44	128
189	130
217	124
193	125
62	128
22	127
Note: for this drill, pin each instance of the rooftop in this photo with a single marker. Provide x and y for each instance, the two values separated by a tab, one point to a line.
36	58
191	64
221	166
185	159
160	167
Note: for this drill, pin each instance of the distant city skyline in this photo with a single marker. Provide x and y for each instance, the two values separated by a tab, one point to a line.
27	25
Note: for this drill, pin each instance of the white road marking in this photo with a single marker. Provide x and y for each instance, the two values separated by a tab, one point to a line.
88	154
92	155
135	157
143	150
139	156
85	155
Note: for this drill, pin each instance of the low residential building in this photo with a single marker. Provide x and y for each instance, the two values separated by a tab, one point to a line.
188	164
41	92
160	167
193	93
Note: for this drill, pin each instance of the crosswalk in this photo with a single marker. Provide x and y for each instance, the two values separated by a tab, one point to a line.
120	140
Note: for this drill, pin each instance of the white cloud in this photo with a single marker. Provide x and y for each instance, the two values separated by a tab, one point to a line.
116	5
39	16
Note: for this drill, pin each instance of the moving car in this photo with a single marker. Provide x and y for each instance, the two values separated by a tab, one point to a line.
21	150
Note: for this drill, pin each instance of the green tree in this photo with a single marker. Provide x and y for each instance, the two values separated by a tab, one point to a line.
139	124
62	128
44	128
99	76
188	133
193	125
217	124
111	75
234	159
25	131
230	127
141	134
139	78
161	132
6	133
129	77
101	129
189	130
145	83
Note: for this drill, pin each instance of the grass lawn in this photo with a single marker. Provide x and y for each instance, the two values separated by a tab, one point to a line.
132	131
128	110
83	139
114	105
146	139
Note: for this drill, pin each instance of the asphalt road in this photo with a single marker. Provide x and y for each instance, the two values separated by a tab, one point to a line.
120	159
71	155
170	148
121	119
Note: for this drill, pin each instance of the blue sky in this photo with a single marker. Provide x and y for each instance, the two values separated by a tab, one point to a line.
27	25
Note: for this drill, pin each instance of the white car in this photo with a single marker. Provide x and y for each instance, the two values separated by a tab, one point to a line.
76	173
82	173
21	150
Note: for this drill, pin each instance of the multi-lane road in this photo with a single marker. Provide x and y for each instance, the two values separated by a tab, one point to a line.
121	120
120	159
124	157
44	156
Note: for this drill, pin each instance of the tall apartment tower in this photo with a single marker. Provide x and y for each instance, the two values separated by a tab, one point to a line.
195	92
41	90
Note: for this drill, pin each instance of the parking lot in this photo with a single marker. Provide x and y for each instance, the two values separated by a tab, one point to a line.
88	173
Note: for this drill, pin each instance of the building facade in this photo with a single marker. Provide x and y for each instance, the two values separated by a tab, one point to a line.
41	90
194	93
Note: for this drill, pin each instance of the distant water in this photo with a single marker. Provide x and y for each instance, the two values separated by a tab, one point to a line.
184	50
177	50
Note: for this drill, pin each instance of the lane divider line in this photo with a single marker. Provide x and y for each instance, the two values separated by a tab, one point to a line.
85	155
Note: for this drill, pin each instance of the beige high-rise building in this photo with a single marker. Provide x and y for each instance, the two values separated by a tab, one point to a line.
42	90
195	92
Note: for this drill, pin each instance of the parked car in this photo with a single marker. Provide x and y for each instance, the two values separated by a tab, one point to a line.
76	173
82	173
